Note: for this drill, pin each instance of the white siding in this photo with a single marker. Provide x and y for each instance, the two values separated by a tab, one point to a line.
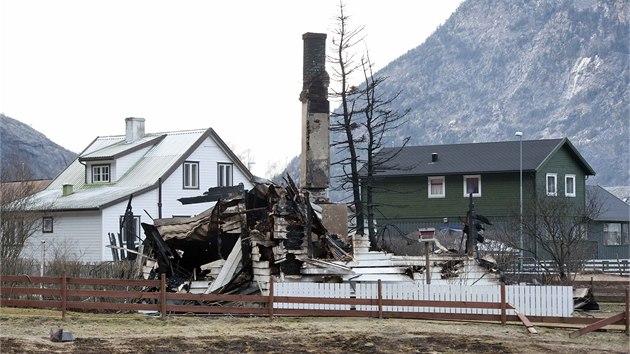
111	216
208	154
75	234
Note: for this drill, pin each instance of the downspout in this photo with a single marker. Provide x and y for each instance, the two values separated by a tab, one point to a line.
84	172
160	198
536	216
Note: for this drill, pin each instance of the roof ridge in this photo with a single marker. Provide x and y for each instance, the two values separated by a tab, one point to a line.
184	131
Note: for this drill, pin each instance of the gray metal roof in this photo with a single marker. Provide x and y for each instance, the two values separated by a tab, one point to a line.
166	151
120	148
471	158
612	208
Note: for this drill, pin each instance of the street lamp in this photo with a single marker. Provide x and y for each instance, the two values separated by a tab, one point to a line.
520	201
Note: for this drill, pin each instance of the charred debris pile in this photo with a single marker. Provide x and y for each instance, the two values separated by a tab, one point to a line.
247	237
239	243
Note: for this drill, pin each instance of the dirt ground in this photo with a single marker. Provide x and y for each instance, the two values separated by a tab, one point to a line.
28	331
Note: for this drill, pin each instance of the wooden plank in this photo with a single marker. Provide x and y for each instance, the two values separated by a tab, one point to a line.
599	324
38	304
526	322
229	268
260	271
379	270
6	291
115	282
116	306
29	279
112	294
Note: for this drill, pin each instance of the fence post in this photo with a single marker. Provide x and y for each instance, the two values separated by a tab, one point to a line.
163	295
380	299
627	314
503	304
64	295
270	298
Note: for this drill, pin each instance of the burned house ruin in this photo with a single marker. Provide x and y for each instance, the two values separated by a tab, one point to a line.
288	233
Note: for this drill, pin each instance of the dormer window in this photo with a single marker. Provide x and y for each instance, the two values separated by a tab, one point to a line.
100	173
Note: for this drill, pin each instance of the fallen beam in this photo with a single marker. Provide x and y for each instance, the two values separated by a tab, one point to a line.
528	324
597	325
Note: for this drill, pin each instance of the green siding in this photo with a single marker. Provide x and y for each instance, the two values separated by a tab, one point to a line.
562	163
407	197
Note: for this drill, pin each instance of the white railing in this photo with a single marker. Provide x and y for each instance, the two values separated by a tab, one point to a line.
608	266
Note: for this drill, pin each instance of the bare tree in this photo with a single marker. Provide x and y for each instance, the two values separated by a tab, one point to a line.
363	122
344	65
379	119
554	228
17	224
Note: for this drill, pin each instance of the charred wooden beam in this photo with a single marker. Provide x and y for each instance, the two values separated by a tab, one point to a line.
215	194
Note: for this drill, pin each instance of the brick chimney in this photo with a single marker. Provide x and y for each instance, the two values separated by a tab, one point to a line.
315	161
134	129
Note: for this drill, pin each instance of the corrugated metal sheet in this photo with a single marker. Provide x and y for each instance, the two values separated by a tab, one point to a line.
157	162
118	148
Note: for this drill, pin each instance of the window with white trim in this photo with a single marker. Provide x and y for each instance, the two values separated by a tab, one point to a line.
552	184
134	230
191	175
100	173
569	185
47	224
437	187
472	184
612	234
224	177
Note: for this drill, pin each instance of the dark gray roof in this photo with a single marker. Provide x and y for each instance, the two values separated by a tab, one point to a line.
612	208
471	158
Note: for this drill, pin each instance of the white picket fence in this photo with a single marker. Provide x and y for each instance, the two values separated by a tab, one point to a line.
530	300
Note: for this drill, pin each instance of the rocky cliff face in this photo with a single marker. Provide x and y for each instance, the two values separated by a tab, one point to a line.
548	68
25	152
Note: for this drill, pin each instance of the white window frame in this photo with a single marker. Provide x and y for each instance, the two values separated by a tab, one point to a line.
436	178
101	176
225	174
190	175
567	184
136	222
612	234
47	224
555	184
466	192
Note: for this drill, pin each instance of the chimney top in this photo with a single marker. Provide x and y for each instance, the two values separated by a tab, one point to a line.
134	129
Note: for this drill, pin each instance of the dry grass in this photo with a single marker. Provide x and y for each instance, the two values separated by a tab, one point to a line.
27	331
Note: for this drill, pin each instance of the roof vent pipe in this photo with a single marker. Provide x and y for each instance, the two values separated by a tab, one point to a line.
67	190
434	157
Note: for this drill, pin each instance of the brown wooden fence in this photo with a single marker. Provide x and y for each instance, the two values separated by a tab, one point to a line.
96	294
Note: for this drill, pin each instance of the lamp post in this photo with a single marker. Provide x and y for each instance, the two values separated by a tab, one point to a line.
520	202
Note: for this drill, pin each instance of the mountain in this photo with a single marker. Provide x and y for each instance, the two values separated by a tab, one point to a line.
548	68
21	144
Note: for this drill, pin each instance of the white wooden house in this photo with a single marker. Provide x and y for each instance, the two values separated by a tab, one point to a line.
87	201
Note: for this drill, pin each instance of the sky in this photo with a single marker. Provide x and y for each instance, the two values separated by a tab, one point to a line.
74	70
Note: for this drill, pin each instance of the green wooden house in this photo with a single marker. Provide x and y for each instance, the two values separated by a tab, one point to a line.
429	186
609	231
